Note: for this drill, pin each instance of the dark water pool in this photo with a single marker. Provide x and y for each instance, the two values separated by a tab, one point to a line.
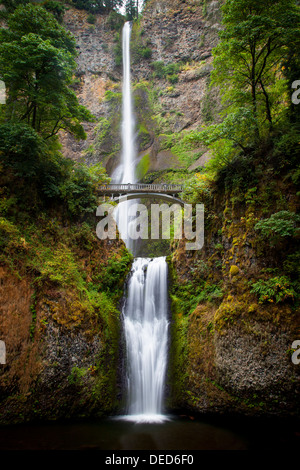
179	433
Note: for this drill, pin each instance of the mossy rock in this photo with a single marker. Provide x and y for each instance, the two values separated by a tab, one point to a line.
234	270
142	167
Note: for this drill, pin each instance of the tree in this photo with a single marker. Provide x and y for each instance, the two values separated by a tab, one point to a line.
11	5
113	4
98	6
37	62
56	8
248	59
131	7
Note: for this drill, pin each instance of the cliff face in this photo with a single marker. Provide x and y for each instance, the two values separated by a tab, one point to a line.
62	338
171	64
97	72
232	346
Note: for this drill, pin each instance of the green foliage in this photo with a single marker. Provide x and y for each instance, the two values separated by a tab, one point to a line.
21	149
97	6
131	7
115	21
189	294
254	43
140	45
180	144
197	189
142	167
37	63
101	302
286	148
60	267
280	225
76	376
227	139
78	190
238	175
146	53
56	8
291	266
168	71
33	313
46	172
9	233
277	289
173	78
11	5
112	276
91	19
118	49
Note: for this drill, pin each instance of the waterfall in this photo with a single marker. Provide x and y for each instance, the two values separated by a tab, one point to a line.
145	310
125	172
146	333
128	143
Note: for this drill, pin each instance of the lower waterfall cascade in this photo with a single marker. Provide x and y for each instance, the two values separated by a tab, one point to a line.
146	333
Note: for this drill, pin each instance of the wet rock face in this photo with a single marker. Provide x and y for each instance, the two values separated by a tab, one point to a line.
63	353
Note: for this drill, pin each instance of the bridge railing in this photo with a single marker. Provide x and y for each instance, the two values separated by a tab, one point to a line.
140	187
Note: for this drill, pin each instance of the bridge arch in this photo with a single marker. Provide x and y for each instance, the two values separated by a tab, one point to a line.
165	197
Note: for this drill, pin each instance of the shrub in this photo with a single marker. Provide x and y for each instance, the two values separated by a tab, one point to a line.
118	50
276	289
173	78
61	268
56	8
113	274
158	67
78	189
146	53
280	225
91	19
21	149
8	232
48	177
115	21
168	71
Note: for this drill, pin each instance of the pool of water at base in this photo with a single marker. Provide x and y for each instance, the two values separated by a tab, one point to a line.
177	433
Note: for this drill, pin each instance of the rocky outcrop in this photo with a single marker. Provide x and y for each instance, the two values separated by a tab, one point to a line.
61	351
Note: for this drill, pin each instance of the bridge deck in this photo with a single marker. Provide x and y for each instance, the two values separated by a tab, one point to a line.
163	188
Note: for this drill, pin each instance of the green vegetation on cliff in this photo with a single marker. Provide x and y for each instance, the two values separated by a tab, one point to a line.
250	189
62	281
